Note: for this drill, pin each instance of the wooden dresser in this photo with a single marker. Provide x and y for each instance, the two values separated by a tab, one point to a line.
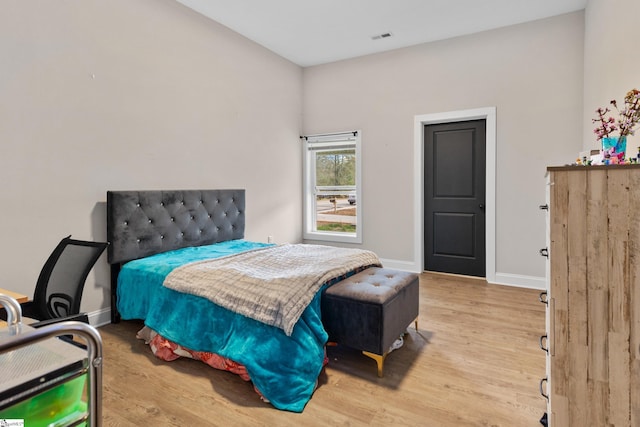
593	296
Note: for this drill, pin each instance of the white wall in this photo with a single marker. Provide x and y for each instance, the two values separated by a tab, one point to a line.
532	73
104	95
611	60
147	94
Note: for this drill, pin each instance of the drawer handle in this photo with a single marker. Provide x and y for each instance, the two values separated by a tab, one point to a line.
543	297
543	381
544	338
544	252
544	207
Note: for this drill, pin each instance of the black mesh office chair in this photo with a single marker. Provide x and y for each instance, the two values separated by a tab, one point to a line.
61	281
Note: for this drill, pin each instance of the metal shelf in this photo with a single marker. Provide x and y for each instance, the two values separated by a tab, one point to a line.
39	367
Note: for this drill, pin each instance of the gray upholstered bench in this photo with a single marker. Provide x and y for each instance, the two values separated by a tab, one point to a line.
370	310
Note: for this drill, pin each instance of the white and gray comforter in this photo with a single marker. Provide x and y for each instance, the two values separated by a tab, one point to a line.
272	285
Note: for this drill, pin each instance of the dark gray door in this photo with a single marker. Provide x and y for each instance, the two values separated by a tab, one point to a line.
454	212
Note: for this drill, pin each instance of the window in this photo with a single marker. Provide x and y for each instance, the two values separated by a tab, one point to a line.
332	201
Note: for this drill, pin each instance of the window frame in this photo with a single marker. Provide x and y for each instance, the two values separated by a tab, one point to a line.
310	144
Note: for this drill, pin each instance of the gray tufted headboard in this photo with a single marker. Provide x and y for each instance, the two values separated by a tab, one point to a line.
144	223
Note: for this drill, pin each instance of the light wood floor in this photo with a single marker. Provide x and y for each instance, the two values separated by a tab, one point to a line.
475	361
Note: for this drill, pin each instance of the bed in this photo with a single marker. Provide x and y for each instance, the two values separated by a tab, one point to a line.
164	243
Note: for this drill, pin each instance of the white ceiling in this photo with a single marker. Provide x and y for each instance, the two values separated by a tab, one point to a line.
312	32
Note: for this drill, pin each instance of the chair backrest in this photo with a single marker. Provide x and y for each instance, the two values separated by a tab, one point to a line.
61	281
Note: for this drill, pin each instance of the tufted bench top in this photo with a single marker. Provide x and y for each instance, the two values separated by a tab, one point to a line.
375	285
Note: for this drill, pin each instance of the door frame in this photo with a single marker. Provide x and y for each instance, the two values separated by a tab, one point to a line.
489	115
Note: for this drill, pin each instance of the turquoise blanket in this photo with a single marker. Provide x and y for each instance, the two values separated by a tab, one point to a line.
284	369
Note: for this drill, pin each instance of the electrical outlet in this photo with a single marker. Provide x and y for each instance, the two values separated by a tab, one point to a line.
269	239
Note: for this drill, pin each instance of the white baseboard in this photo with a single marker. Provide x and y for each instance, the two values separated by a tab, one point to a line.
521	281
507	279
100	317
400	265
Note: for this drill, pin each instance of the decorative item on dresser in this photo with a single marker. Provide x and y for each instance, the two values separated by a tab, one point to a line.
614	147
593	296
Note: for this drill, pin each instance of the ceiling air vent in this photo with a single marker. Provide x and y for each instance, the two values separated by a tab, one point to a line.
381	36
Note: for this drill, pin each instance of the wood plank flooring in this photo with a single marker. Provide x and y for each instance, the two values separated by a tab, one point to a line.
474	361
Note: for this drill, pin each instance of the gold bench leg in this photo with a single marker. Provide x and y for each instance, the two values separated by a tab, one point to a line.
379	360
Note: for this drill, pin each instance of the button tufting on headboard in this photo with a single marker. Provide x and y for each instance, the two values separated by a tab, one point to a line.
142	223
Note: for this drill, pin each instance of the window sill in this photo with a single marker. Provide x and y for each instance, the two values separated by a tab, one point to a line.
332	237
